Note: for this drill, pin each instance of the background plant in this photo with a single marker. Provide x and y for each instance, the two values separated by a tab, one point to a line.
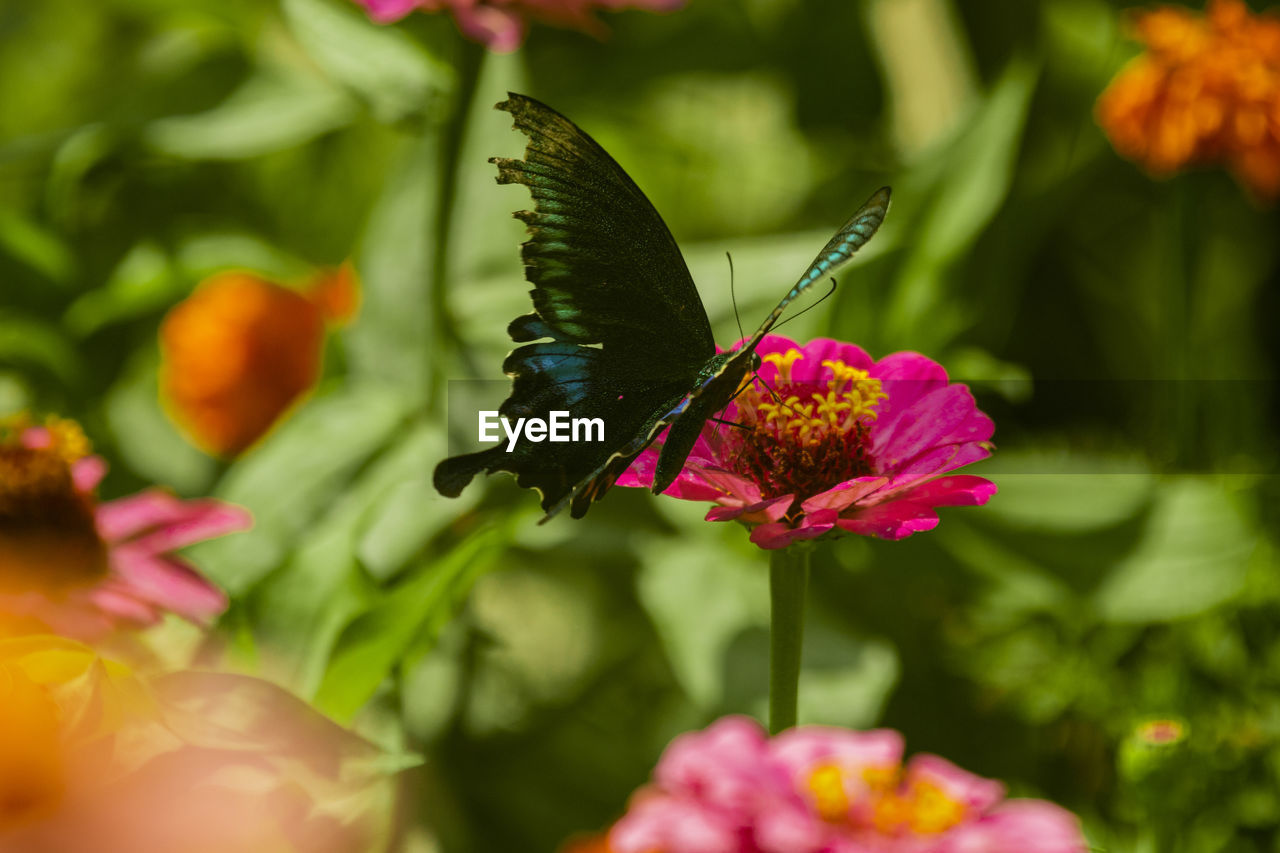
1117	328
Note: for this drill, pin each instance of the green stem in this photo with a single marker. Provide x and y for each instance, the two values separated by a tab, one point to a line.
445	328
788	584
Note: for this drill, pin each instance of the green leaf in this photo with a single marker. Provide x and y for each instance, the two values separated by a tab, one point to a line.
141	283
1065	502
144	436
403	521
1018	585
980	369
270	112
14	394
710	606
372	646
36	247
701	596
977	179
384	66
30	342
390	341
204	253
1193	556
294	474
844	681
300	610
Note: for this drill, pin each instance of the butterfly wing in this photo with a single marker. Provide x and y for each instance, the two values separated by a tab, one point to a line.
627	332
851	237
604	267
557	376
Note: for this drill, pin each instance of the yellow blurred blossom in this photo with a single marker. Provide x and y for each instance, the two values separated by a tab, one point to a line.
94	756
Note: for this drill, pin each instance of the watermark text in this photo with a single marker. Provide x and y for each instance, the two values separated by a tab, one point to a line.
558	427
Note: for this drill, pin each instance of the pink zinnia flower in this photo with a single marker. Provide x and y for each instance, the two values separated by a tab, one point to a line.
829	439
80	568
500	25
815	789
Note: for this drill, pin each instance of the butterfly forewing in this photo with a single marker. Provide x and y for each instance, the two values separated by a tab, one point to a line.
627	332
605	269
851	237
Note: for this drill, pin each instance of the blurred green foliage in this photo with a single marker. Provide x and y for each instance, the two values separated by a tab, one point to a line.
1121	331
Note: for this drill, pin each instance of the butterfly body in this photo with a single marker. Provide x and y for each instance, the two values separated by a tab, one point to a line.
618	331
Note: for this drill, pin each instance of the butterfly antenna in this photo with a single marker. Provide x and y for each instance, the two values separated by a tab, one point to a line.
733	297
777	396
824	298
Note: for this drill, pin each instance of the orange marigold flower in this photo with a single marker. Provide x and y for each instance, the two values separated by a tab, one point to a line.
1206	91
241	350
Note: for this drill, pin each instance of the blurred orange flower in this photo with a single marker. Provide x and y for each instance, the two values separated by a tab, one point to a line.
59	703
95	757
1206	91
31	775
238	352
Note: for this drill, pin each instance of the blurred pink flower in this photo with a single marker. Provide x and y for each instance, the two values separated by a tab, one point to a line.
814	789
500	25
80	568
831	440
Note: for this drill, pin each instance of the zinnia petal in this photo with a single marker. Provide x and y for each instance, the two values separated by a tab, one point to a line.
167	582
896	520
171	523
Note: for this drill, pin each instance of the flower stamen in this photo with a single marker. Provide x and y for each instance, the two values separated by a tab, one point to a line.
804	437
48	538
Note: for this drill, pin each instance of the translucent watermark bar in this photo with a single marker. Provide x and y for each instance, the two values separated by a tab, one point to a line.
1059	426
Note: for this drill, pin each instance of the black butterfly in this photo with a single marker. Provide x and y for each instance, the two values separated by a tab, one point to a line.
621	333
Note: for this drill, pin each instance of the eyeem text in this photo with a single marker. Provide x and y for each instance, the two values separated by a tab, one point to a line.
560	427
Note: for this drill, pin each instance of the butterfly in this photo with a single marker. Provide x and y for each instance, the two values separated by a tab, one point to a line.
617	332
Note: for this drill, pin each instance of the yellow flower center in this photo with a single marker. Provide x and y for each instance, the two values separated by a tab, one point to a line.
802	438
881	804
931	811
826	784
48	539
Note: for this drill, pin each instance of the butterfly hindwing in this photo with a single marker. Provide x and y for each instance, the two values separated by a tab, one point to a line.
557	377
